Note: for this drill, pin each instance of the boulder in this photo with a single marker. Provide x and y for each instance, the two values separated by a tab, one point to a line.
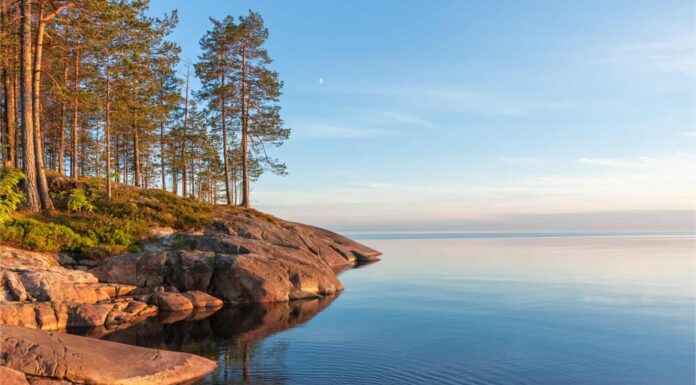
86	360
84	315
36	315
32	276
201	299
140	269
254	278
170	301
190	270
12	377
59	315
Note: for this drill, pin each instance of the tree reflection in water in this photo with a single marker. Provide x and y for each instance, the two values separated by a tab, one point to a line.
230	335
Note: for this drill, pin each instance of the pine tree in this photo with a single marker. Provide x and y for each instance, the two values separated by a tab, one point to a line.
260	89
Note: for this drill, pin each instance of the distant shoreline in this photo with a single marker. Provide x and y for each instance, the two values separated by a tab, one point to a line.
387	235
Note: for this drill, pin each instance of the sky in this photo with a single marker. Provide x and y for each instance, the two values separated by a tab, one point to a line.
477	115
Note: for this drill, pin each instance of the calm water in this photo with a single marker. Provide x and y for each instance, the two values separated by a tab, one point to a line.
468	310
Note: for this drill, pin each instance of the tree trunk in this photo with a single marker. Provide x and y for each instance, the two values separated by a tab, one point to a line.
245	137
175	182
46	202
192	174
146	175
183	139
117	157
8	81
107	134
76	86
63	113
10	119
125	160
162	166
223	114
235	190
136	150
30	184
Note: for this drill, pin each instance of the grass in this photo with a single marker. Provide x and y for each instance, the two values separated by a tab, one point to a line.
86	224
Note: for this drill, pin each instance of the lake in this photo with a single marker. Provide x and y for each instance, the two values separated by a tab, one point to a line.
467	309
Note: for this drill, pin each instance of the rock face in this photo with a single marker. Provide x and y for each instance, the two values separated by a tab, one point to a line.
83	360
12	377
245	257
38	293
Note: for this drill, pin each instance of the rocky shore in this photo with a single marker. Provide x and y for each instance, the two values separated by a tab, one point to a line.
243	257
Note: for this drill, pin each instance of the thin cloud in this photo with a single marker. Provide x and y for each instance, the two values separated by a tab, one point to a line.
675	54
678	162
327	131
605	184
462	99
522	160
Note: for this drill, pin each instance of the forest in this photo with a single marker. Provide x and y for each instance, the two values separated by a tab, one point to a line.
98	89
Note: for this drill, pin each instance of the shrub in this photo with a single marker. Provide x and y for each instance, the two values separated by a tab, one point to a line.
78	202
106	230
42	236
89	225
11	233
10	196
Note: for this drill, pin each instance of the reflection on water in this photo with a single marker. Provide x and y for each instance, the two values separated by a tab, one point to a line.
443	310
230	335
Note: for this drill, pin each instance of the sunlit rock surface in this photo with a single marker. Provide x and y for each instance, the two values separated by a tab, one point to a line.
76	359
38	293
245	257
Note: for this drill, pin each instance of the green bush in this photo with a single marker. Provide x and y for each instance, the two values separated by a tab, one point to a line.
11	233
106	230
89	225
10	196
78	202
42	236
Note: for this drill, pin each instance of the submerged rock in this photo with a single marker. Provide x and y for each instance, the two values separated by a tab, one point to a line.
84	360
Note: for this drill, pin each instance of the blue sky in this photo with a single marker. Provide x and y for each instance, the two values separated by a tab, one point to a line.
477	115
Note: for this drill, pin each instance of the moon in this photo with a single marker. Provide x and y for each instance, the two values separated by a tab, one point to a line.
321	81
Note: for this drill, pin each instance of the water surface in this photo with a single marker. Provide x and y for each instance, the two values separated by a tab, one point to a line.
442	309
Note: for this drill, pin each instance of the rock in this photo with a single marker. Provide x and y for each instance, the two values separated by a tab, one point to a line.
60	183
38	293
190	270
141	269
201	299
253	278
170	301
32	276
12	377
37	315
85	315
245	257
14	288
90	361
65	259
60	315
48	381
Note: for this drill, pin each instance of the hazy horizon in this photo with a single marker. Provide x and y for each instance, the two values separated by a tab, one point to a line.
531	116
